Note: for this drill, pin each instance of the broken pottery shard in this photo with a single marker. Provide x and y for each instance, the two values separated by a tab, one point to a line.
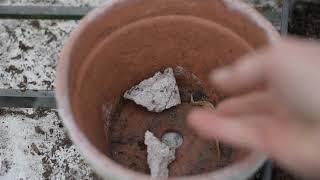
160	156
157	93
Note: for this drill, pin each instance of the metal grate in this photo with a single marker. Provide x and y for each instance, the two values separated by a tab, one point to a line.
43	12
27	99
35	99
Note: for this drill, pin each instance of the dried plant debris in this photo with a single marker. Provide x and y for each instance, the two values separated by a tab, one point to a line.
160	155
157	93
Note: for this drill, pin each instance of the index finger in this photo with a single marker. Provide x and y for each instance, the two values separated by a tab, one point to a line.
244	76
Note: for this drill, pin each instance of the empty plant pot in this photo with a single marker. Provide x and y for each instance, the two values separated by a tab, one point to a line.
126	41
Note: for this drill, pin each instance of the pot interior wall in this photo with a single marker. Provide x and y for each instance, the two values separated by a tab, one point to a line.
131	42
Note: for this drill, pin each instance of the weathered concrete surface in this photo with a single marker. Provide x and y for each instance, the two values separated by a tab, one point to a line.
34	145
29	51
28	56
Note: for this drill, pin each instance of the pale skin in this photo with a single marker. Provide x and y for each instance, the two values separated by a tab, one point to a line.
274	105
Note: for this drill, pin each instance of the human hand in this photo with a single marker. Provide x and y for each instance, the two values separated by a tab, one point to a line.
274	108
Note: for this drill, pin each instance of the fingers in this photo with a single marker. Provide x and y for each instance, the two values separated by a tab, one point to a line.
293	75
250	120
287	63
253	103
230	130
289	69
273	121
267	133
289	143
245	75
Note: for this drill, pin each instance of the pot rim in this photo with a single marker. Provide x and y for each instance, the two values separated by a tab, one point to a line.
105	166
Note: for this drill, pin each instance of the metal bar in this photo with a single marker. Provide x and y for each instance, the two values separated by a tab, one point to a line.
267	171
285	17
43	12
27	99
286	10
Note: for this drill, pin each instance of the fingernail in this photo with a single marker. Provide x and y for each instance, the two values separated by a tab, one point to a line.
220	75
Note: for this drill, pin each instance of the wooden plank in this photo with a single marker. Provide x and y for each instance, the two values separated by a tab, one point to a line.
43	12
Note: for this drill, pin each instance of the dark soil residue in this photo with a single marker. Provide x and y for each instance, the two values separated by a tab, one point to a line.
50	163
199	96
305	20
35	24
64	143
24	47
129	123
5	166
277	174
94	176
48	169
48	84
37	114
22	85
38	130
13	69
52	37
16	57
35	148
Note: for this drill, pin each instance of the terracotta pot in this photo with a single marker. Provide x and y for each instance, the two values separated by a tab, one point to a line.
125	41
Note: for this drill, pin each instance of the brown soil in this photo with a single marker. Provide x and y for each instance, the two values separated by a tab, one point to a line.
129	122
195	156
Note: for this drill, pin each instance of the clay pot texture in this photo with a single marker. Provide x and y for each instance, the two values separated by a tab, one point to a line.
125	41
